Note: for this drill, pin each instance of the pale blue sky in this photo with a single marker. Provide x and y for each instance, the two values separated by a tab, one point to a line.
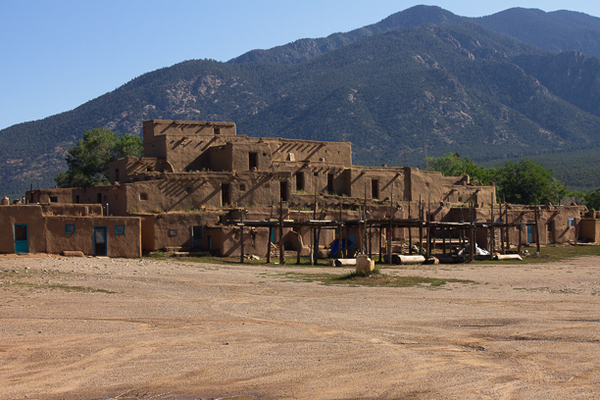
58	54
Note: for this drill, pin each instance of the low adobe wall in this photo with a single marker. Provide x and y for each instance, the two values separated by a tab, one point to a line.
127	244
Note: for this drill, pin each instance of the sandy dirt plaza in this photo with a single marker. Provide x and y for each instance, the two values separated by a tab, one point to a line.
101	328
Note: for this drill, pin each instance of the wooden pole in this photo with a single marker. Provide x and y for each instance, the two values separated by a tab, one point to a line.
281	249
391	227
506	222
410	250
241	236
537	230
269	245
492	229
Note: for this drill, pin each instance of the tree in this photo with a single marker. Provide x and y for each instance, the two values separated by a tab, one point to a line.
527	182
592	199
452	164
88	161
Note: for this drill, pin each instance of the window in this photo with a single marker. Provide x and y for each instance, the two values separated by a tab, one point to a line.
252	161
242	187
299	181
143	196
330	183
99	198
173	232
283	190
217	131
374	188
571	222
69	229
77	199
225	198
119	229
53	199
117	174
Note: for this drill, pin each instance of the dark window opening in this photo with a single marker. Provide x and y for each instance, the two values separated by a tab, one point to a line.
283	190
77	199
99	198
252	160
143	196
242	187
117	176
330	183
374	188
53	199
299	181
217	131
225	198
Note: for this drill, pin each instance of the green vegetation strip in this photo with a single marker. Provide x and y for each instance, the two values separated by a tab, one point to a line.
59	286
374	279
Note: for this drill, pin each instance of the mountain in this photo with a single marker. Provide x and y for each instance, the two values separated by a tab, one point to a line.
557	31
420	78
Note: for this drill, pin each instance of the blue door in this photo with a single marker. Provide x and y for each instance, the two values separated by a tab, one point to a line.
21	238
100	245
529	233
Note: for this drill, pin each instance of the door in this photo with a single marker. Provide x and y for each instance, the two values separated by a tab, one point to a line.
529	234
21	238
197	237
100	245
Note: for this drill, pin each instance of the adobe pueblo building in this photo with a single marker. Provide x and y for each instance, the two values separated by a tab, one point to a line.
200	187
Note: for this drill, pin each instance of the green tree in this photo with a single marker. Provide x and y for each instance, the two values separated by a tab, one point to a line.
592	199
452	164
527	182
88	161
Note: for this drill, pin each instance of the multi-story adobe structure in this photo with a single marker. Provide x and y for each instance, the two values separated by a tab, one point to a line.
196	177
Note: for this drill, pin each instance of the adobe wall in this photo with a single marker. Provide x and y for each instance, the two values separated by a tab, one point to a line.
128	244
339	153
589	230
184	144
376	183
431	185
226	241
174	230
22	214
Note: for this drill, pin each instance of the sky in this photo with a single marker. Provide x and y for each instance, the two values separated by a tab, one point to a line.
59	54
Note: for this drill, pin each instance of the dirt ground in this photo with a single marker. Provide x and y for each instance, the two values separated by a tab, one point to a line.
99	328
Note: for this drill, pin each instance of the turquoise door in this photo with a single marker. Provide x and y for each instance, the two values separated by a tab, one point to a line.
529	234
21	238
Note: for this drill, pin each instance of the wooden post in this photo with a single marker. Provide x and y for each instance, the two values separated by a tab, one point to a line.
269	245
420	227
501	230
299	244
389	243
410	250
241	236
492	229
340	240
471	231
281	249
506	222
537	230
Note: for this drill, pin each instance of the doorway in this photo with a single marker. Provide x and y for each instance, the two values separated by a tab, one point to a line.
100	241
21	238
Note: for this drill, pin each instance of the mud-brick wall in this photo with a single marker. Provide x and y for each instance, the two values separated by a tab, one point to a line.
174	230
22	214
126	244
226	241
589	229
